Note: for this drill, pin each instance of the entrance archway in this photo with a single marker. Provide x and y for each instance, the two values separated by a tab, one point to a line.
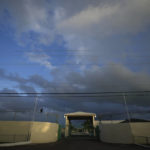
78	116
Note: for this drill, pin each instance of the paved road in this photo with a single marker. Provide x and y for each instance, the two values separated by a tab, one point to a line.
75	143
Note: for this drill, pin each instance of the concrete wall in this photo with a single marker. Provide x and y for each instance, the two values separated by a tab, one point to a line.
44	132
141	132
125	133
110	121
116	133
12	131
96	123
36	132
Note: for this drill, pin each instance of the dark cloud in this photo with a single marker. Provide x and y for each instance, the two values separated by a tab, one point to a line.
26	88
12	77
15	103
116	78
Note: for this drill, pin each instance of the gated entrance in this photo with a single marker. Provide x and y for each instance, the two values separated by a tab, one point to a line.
79	116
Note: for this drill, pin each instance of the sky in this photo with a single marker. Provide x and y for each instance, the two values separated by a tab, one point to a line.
68	46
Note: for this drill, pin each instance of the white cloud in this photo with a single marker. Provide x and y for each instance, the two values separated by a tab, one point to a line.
98	27
129	16
31	16
104	29
80	19
86	18
97	18
40	58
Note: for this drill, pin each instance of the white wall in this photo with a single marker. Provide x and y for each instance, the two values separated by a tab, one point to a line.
125	133
116	133
96	123
36	132
44	132
110	121
12	131
141	131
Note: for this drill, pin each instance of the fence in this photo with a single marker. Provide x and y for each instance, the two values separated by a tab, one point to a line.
29	116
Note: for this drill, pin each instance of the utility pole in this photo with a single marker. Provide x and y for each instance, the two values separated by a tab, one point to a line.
35	107
33	118
128	115
126	107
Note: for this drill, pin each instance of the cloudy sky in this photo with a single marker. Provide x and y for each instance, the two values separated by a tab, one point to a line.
68	46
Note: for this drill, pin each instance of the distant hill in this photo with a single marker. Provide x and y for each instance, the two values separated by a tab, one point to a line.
134	120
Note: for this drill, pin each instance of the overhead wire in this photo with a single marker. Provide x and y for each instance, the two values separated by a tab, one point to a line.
94	94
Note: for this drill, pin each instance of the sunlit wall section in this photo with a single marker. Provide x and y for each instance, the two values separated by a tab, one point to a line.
21	131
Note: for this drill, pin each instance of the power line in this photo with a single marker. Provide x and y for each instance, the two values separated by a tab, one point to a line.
72	96
121	113
110	92
88	95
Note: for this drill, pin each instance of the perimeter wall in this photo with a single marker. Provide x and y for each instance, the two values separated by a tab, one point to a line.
125	133
36	132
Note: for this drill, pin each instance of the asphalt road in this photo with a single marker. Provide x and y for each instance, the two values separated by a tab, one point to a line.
75	143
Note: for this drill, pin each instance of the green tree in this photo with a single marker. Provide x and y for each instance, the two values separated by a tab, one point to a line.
87	125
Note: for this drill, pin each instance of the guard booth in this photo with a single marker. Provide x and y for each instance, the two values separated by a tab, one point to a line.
79	116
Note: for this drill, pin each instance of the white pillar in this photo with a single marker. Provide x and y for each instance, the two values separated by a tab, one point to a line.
94	125
67	127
